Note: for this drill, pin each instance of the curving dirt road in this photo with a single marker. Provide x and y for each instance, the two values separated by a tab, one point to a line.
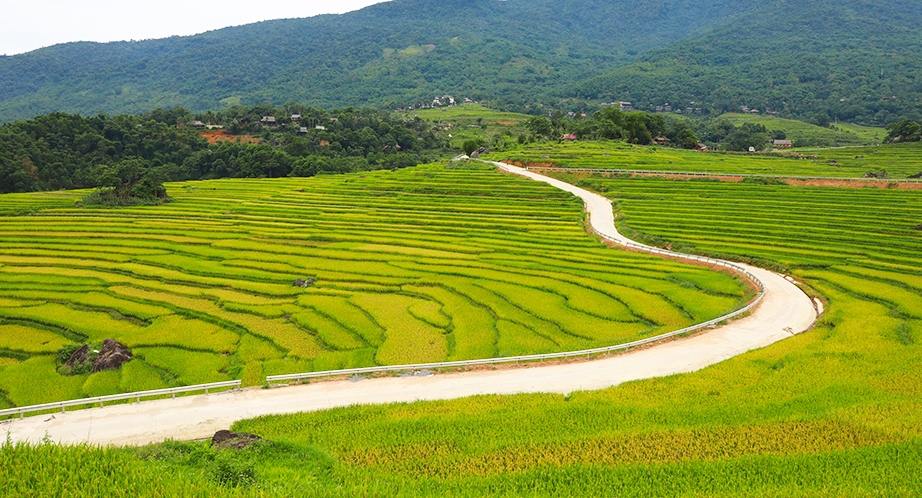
784	311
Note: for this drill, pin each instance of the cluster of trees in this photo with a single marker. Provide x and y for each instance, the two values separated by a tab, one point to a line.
138	152
611	123
724	135
905	130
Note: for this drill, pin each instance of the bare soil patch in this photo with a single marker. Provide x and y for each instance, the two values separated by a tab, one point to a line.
214	137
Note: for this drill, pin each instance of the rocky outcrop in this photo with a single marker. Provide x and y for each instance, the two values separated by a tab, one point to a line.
111	357
78	357
303	283
235	440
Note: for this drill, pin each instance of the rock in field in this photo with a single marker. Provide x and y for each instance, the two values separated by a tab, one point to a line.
111	357
236	440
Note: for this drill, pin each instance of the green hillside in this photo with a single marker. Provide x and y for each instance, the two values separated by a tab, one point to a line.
810	135
847	60
851	60
400	52
463	122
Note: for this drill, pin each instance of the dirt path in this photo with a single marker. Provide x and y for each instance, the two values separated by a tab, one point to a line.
785	311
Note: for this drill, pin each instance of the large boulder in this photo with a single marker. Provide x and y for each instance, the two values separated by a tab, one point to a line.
111	357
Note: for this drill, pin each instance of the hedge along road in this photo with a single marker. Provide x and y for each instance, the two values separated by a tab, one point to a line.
784	311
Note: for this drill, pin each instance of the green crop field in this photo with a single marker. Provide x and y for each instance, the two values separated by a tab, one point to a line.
420	265
836	411
842	134
898	160
471	121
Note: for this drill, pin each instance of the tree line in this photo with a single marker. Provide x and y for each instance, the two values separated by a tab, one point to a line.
68	151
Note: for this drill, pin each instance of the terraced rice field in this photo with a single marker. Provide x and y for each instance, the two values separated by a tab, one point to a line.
424	264
836	411
898	160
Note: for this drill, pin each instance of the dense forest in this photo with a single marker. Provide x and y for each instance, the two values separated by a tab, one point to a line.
816	60
66	151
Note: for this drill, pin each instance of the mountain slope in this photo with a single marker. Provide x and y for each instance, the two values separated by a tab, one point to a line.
816	58
395	52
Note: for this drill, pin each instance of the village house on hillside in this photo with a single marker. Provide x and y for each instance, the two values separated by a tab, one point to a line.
782	144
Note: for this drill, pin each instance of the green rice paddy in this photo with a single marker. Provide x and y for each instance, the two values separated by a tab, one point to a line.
836	411
897	160
420	265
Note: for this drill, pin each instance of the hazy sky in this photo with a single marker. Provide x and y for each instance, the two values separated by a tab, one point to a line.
26	25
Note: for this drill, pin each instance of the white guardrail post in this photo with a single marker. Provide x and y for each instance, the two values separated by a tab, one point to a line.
102	400
568	354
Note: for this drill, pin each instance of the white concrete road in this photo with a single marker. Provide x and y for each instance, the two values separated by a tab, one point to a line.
785	311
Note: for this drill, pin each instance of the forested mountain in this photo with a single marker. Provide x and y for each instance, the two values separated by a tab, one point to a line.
800	58
851	60
518	51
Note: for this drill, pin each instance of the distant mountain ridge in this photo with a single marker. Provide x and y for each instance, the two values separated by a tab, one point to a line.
515	52
841	59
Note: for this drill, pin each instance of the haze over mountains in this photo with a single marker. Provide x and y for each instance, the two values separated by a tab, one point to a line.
848	59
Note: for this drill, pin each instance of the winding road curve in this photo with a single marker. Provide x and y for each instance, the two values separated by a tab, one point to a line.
785	310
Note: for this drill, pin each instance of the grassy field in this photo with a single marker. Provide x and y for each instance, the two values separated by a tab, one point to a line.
898	160
472	121
836	411
842	134
421	265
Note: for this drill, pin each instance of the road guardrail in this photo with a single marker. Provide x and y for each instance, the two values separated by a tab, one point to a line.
102	400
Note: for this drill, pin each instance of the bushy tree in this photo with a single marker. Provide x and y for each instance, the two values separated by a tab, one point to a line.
469	146
904	131
540	126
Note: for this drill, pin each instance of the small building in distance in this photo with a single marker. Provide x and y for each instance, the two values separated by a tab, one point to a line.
268	120
569	137
782	144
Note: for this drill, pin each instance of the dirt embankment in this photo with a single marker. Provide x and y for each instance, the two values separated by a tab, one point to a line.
214	137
